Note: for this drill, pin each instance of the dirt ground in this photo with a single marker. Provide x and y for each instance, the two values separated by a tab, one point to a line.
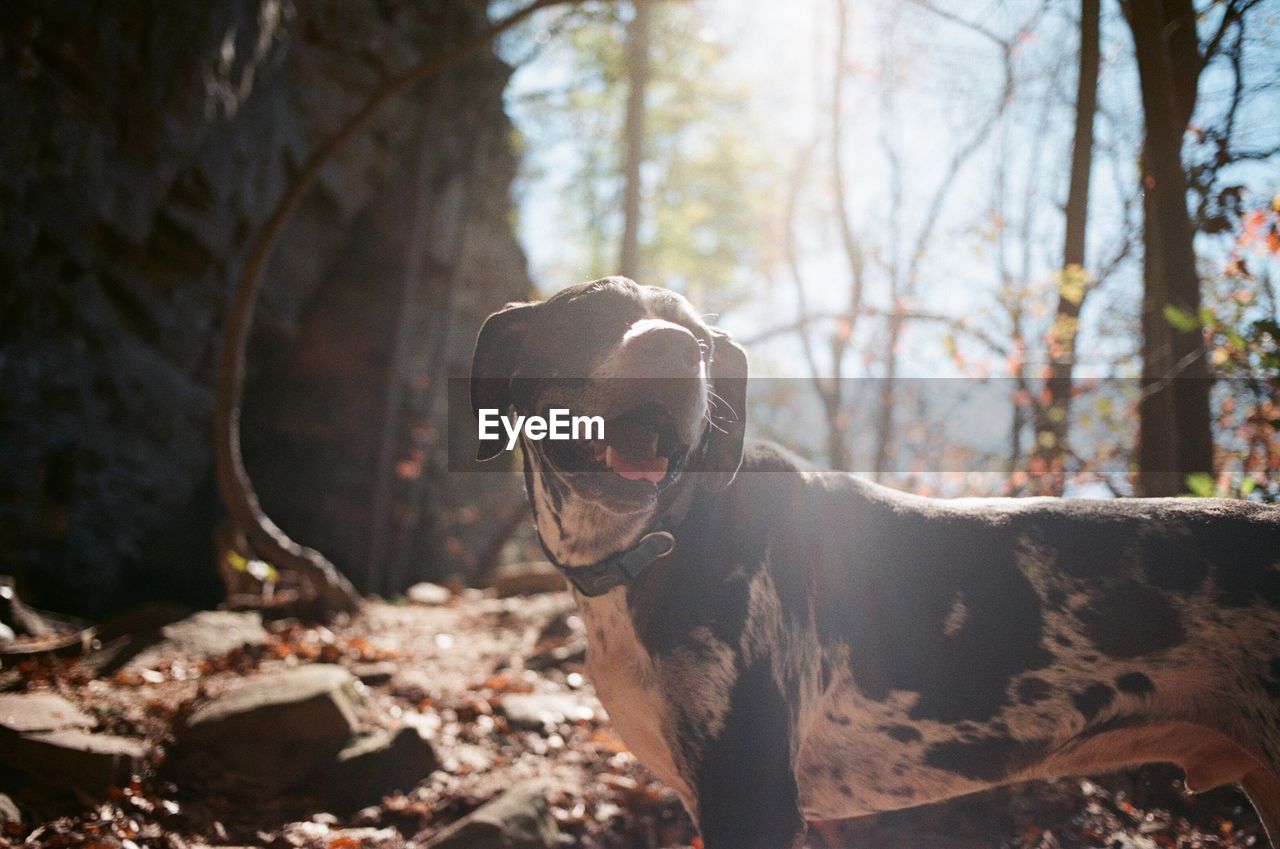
453	671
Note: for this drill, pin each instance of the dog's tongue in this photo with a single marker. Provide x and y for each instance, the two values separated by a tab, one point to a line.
633	452
651	469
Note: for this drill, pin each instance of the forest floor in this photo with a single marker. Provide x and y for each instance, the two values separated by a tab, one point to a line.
498	688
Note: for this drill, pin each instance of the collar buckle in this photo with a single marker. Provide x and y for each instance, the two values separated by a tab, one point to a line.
626	566
662	542
621	568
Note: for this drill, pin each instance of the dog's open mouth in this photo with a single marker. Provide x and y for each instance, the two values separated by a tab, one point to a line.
639	445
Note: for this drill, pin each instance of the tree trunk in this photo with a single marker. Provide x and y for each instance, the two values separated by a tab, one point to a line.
1174	435
634	136
1053	422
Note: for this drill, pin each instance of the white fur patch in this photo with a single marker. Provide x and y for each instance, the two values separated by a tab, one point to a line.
956	617
626	681
586	532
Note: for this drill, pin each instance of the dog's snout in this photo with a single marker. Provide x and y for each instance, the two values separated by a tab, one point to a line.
665	350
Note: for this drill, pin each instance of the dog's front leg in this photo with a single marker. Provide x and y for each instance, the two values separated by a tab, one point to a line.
744	771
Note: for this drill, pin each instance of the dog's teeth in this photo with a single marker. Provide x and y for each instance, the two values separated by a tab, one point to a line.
608	456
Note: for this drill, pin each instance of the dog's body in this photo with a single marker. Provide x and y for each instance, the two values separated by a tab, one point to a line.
819	647
821	644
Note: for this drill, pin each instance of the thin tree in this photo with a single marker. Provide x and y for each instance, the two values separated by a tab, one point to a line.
1052	421
638	67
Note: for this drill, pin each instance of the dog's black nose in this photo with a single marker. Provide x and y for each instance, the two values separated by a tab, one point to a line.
667	351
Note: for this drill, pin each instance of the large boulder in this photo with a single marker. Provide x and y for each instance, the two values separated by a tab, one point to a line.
268	734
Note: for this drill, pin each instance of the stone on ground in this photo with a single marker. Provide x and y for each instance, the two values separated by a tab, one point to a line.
46	738
26	712
376	764
520	818
428	593
376	673
544	711
205	635
74	759
269	733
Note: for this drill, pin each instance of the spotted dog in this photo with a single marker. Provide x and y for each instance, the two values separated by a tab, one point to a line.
780	644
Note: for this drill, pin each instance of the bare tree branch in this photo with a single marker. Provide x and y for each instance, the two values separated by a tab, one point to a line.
960	157
1234	12
972	26
953	323
848	239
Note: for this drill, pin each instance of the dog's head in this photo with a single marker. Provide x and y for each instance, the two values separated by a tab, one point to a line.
670	389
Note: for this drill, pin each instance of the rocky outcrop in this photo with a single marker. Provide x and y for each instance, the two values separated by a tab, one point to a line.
143	146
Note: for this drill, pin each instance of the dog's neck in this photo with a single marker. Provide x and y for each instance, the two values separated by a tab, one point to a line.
577	532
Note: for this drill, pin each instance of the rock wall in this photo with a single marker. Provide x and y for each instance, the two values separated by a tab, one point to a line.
143	145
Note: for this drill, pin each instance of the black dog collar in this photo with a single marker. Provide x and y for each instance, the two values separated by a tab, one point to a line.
621	568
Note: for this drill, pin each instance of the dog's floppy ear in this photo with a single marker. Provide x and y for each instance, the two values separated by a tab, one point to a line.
493	365
722	453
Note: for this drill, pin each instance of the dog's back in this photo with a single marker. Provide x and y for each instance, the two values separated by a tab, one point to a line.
973	641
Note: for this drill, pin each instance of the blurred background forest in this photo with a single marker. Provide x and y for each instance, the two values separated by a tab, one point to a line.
1059	215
